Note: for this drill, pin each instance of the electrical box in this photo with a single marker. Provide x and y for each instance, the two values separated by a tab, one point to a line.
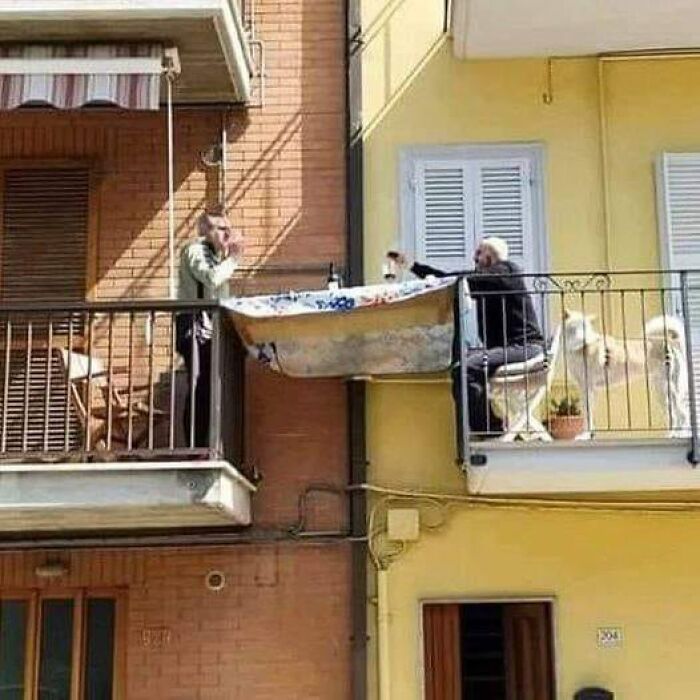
403	524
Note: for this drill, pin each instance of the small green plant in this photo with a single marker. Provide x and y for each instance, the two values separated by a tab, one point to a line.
566	406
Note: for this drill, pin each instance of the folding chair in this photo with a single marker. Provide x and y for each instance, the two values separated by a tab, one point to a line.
123	419
517	389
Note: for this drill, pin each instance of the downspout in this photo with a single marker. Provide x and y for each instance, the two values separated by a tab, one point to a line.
383	666
357	448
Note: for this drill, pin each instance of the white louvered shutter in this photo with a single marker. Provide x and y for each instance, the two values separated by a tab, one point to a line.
444	236
503	206
679	179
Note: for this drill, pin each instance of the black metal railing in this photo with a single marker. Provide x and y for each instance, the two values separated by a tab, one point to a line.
136	380
577	356
91	381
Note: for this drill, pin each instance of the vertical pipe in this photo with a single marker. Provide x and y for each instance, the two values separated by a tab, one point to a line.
383	656
693	455
223	179
171	188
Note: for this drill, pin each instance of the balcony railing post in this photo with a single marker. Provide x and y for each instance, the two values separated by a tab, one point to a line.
216	381
460	381
693	455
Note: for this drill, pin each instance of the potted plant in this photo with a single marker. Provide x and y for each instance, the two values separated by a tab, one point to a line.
565	419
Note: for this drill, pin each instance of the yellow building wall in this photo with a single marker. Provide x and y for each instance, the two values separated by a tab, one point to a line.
635	571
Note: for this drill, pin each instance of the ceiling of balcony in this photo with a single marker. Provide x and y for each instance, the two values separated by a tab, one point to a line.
513	28
207	34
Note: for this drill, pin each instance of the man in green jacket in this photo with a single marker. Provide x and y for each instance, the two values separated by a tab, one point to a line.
206	267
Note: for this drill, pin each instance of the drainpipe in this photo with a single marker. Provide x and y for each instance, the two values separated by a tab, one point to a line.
357	449
383	666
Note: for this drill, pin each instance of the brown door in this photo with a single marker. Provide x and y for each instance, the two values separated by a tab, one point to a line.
441	639
527	633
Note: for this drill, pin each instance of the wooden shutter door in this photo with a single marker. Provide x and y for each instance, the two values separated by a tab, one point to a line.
444	217
45	214
441	640
528	646
504	206
679	217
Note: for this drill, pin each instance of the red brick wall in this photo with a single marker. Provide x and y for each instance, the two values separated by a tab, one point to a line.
277	631
281	627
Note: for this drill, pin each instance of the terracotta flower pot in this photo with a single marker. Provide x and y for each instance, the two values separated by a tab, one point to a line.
566	427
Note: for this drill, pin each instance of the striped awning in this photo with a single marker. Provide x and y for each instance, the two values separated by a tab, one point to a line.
68	76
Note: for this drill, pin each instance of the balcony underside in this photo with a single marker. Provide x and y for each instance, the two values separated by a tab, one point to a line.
581	467
207	33
122	496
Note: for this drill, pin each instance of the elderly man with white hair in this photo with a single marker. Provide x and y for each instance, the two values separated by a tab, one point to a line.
508	325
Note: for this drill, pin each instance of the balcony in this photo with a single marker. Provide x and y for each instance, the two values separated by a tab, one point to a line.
92	399
610	405
209	34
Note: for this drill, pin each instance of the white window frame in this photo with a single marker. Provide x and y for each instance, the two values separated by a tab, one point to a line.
534	153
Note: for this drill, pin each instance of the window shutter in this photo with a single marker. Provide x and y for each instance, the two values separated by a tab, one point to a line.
504	208
44	234
441	640
444	228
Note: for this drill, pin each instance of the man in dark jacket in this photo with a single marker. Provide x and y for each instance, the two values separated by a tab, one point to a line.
508	325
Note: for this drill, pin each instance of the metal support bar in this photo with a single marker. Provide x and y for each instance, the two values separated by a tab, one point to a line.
693	456
215	388
460	385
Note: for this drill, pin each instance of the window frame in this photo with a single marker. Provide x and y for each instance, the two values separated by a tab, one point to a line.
533	152
93	225
80	596
551	600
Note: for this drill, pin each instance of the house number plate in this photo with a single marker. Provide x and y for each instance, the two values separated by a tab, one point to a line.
609	637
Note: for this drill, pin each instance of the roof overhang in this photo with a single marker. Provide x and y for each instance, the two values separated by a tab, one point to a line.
209	34
512	28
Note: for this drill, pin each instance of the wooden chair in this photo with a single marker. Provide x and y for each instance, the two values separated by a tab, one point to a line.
119	418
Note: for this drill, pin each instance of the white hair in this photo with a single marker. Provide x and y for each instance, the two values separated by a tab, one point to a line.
498	246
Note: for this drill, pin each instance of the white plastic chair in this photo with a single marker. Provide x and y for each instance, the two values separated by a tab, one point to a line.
517	389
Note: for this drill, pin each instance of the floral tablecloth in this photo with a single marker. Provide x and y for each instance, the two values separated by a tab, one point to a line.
358	331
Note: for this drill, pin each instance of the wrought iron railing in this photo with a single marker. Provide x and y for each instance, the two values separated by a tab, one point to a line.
589	356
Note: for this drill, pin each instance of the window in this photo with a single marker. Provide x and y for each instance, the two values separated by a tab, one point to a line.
59	647
454	195
45	221
488	651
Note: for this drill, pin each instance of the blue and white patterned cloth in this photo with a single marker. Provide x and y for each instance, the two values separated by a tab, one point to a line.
357	331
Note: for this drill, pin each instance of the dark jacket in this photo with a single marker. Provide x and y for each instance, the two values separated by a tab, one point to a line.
506	315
